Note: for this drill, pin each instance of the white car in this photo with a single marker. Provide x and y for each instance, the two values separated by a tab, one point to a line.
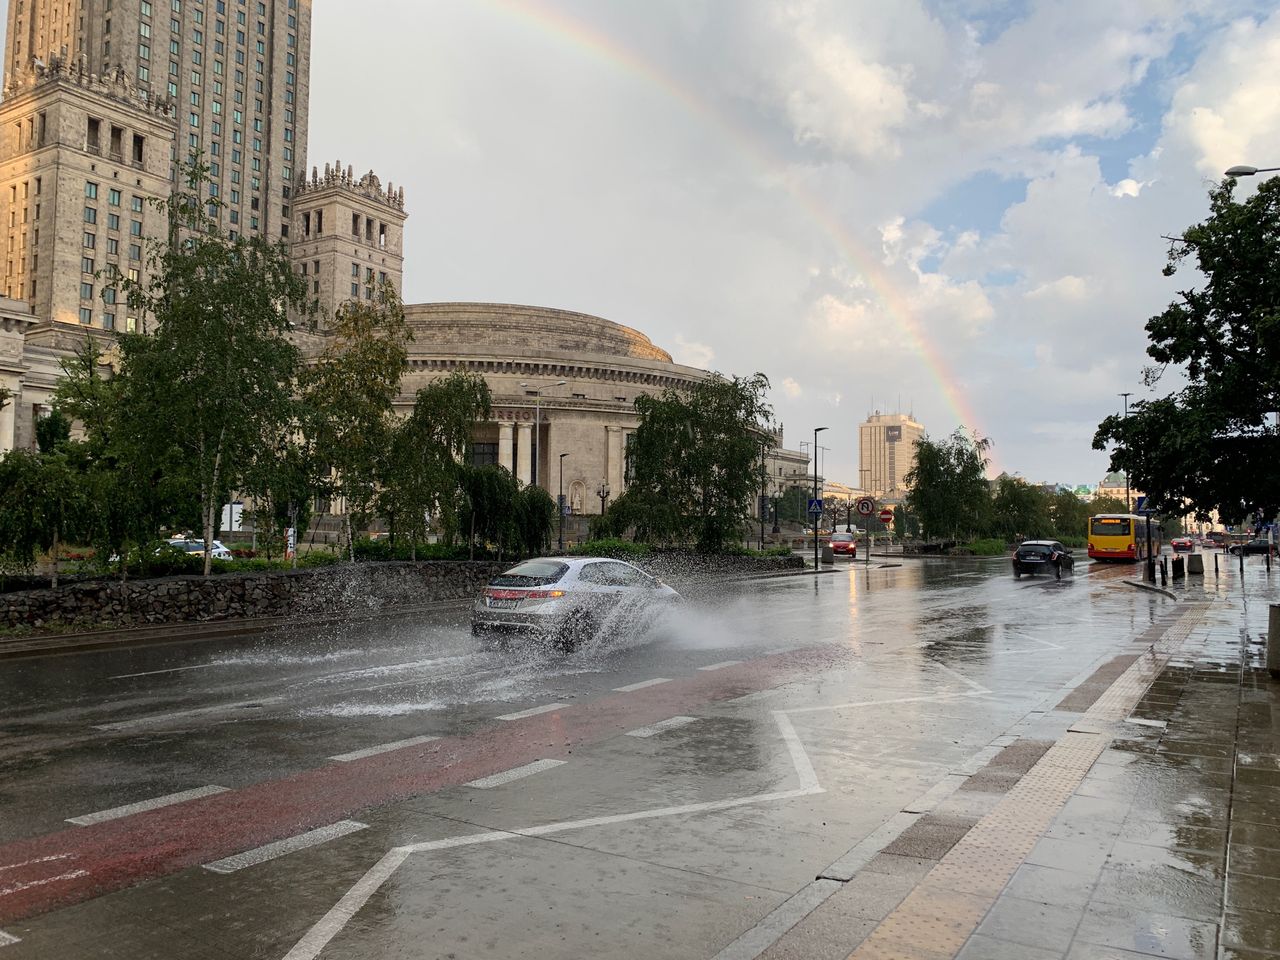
197	546
564	600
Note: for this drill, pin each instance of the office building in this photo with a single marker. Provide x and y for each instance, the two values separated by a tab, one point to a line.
887	453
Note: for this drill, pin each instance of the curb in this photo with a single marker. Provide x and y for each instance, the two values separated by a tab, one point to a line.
1152	588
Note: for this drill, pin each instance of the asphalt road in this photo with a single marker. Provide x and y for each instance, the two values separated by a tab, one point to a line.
394	789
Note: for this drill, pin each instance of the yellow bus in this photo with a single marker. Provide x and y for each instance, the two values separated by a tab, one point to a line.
1121	536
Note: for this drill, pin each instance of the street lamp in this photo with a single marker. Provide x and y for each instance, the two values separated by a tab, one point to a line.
536	452
1127	507
602	492
764	494
816	431
560	501
1244	170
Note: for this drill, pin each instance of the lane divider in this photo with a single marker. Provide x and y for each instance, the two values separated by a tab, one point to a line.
641	685
155	803
382	748
671	723
303	841
534	711
515	773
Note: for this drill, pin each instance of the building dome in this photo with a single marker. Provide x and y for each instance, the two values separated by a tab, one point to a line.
490	328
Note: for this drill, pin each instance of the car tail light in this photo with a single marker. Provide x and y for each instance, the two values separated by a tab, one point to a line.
496	594
544	594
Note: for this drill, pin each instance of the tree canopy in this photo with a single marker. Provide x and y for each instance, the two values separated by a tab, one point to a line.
1214	444
948	487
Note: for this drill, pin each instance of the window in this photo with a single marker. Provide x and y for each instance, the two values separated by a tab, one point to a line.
135	204
135	228
113	246
109	295
90	215
113	221
113	197
144	51
108	321
90	190
355	290
86	315
86	264
135	251
90	241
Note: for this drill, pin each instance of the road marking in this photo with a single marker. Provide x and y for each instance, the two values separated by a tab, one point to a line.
804	769
19	887
312	838
8	938
533	711
661	726
152	673
184	714
641	685
27	863
515	773
381	748
971	684
129	809
721	665
1159	724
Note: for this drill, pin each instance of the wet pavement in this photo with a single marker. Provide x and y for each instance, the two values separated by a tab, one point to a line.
919	761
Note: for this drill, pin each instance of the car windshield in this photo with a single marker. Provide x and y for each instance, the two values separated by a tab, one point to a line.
531	573
842	538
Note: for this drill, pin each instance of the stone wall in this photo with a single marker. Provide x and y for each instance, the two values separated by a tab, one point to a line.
344	589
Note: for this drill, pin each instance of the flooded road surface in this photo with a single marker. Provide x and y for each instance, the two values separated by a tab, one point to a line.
396	788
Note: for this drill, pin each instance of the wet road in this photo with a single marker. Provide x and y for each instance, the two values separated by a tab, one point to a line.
392	788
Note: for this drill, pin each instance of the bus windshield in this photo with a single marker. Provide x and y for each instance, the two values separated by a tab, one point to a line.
1110	526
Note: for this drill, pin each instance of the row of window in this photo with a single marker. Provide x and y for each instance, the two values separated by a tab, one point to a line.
108	320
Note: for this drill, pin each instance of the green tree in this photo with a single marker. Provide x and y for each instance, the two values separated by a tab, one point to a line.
695	457
792	505
948	488
1070	515
1213	444
535	517
348	395
1020	509
216	373
1107	505
489	495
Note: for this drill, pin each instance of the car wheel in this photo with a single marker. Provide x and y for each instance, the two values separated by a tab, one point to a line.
1057	571
1017	574
578	627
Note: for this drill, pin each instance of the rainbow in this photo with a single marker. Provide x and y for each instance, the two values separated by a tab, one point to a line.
566	29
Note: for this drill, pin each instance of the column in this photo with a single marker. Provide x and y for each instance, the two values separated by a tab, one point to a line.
614	462
8	414
505	451
524	445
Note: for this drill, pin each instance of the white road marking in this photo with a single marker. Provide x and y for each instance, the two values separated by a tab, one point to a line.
381	748
155	803
1159	724
661	726
641	685
8	938
804	769
341	913
312	838
721	665
152	673
971	684
515	773
27	863
533	711
18	887
935	698
184	714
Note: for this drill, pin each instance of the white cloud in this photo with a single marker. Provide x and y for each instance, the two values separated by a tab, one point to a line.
791	388
692	353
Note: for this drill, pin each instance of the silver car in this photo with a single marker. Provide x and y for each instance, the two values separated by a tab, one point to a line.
564	601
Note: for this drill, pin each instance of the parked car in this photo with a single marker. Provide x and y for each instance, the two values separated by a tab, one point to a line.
219	552
1252	546
1041	556
844	544
564	601
1182	544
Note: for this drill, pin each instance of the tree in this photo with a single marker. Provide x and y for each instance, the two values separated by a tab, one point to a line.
348	396
1070	515
535	516
695	457
1213	444
489	496
948	488
1107	505
1020	509
216	374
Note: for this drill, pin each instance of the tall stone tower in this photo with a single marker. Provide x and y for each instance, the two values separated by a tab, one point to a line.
102	99
348	236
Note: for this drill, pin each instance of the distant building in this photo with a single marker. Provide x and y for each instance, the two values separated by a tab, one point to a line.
887	453
1115	485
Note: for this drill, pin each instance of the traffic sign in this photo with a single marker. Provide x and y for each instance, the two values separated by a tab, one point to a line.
886	516
865	506
815	507
1140	507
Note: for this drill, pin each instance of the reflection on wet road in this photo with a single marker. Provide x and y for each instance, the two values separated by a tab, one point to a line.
772	723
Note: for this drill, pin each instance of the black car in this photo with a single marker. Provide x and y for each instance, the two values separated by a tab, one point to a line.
1041	556
1252	546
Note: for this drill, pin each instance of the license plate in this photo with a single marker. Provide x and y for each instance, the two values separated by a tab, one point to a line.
502	604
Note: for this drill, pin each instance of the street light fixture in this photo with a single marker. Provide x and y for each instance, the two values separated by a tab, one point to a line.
1127	506
1244	170
816	431
602	492
560	501
536	452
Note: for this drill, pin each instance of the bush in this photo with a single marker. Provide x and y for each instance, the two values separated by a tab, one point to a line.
618	549
985	548
316	558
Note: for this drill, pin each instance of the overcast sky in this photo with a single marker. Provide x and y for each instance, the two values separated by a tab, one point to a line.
953	206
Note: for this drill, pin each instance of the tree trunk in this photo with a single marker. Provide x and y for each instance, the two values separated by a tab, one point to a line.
208	537
55	558
472	540
351	543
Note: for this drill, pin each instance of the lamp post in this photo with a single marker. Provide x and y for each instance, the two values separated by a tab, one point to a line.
848	516
560	501
764	495
816	431
536	452
1127	506
1244	170
602	492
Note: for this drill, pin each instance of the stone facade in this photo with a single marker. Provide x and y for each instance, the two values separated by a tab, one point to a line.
342	589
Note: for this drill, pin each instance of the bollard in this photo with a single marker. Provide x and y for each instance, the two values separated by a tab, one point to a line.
1195	564
1179	568
1164	573
1273	641
1215	564
828	555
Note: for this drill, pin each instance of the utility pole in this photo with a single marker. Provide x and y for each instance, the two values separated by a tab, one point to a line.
560	501
1128	508
815	519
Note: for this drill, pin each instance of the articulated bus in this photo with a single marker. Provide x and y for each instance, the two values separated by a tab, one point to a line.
1121	536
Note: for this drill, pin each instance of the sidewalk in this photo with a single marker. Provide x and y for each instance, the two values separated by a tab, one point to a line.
1138	818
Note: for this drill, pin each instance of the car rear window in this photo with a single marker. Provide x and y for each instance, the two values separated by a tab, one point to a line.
1035	550
531	573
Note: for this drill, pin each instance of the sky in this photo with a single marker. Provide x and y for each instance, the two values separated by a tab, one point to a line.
949	207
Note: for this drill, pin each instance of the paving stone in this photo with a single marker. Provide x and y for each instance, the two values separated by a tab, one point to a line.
1030	923
1251	929
982	947
1147	933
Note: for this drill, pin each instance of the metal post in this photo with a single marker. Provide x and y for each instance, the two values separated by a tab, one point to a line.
816	431
1127	507
560	501
763	494
1151	560
1273	641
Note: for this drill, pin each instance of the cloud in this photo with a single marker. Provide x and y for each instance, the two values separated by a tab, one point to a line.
791	388
693	354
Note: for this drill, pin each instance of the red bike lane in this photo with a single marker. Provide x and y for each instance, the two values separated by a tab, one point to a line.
70	866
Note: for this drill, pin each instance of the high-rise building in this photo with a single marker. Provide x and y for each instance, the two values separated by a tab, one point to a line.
887	453
104	99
